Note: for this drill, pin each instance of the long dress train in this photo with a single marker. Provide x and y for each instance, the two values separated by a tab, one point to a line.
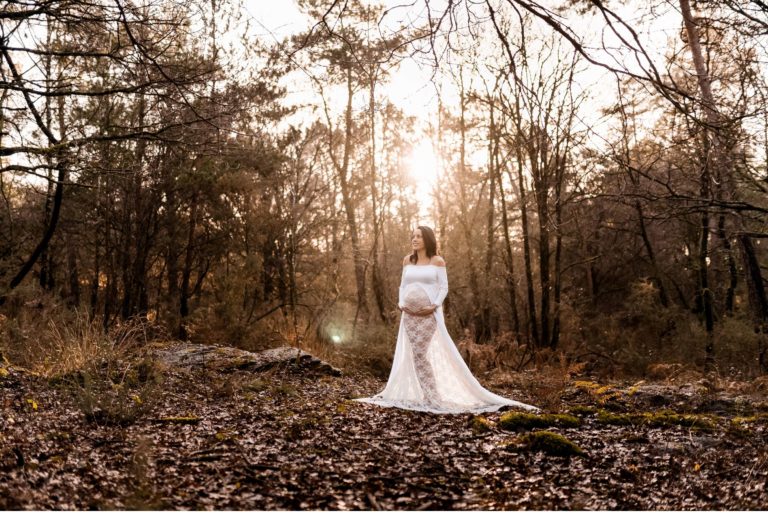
428	373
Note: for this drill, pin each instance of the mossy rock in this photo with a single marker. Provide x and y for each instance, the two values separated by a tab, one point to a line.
583	410
669	419
612	418
739	430
228	359
285	389
180	420
256	386
551	444
656	419
481	425
760	417
527	421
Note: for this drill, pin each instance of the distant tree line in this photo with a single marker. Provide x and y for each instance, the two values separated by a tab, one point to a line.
153	168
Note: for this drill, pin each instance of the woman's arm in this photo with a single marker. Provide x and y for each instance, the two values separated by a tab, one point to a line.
400	300
442	284
442	287
401	294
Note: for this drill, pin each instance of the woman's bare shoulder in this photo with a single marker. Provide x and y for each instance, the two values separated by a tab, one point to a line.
407	260
437	261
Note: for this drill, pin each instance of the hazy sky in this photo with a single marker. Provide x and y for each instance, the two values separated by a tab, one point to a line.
409	86
411	89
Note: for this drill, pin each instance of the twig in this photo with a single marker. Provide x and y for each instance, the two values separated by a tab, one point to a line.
372	501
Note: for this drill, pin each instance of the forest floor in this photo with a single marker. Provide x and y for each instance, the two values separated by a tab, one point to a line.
289	440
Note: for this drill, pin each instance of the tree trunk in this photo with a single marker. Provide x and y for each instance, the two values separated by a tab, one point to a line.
378	282
712	159
757	299
485	332
704	293
732	272
73	298
663	296
537	146
532	323
509	257
349	207
61	176
61	168
465	222
559	178
186	272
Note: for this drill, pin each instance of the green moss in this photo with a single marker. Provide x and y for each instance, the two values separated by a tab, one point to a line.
550	443
480	425
285	390
611	418
526	421
60	436
583	410
757	418
669	419
239	363
601	393
181	420
738	430
225	435
656	419
256	386
304	427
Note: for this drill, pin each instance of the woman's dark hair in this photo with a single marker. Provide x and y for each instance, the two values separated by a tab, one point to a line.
430	243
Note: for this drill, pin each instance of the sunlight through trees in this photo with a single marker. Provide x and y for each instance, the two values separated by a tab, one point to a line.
594	171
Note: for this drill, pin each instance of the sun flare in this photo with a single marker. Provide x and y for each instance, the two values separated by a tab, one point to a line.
425	170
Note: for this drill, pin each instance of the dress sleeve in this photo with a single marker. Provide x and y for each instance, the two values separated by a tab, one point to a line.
442	285
402	289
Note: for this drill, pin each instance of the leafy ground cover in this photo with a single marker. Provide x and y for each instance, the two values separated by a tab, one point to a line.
200	439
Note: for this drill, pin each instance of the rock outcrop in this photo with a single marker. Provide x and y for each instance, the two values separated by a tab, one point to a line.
225	358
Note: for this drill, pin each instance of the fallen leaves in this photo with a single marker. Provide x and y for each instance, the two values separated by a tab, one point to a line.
284	441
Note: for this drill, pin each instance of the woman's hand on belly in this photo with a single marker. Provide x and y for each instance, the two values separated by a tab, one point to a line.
426	311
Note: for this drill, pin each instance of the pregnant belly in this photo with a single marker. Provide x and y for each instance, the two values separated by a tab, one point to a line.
416	298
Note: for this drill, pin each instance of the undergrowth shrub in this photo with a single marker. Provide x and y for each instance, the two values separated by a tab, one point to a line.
50	338
642	333
367	347
108	373
225	323
115	393
117	387
141	484
371	349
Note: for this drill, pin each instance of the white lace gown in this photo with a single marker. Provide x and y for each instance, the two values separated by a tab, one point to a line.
428	373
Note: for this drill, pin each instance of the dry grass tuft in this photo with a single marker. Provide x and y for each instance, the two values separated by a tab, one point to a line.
107	372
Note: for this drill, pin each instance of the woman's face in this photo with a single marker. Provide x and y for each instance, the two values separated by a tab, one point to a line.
417	242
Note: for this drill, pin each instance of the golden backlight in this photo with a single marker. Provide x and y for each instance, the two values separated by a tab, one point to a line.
424	167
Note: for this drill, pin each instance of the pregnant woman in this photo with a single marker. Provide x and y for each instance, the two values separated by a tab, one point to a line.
428	373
